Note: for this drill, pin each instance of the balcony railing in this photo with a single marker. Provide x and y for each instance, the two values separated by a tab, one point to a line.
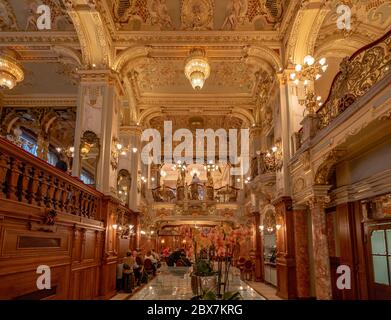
358	75
195	192
265	162
26	178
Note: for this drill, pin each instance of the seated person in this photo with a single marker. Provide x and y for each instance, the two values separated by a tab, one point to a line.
150	256
138	267
128	264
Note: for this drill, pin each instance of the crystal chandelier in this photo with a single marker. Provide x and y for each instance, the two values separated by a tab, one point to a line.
197	68
10	71
305	75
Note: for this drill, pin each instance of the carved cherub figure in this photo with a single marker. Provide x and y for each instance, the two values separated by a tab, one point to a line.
236	12
159	14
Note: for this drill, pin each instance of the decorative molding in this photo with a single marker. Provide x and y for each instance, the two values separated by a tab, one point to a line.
31	101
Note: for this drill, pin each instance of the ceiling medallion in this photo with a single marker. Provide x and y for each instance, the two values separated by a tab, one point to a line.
10	71
197	68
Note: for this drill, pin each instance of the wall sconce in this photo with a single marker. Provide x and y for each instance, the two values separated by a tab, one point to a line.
115	226
278	227
162	241
142	232
85	149
69	151
261	227
272	159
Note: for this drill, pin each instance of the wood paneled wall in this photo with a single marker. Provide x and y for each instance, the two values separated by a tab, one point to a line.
72	248
50	218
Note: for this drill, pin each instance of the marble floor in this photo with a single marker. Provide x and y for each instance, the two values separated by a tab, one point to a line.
175	284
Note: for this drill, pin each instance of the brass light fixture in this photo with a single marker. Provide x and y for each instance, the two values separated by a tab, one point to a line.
197	68
10	70
305	75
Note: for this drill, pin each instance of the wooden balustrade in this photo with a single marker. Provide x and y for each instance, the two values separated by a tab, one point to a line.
49	218
30	180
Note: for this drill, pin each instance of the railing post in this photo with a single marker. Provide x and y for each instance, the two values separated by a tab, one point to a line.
13	179
4	159
310	127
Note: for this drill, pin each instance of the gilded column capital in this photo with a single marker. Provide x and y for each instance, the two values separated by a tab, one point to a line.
134	130
255	131
104	76
318	201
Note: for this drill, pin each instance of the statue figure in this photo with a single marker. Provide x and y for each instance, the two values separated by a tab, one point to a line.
236	12
194	187
159	14
7	18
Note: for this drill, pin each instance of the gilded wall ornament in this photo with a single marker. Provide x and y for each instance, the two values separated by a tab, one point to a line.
7	17
197	14
358	74
159	14
235	14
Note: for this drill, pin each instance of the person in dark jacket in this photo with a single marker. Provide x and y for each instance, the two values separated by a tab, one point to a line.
62	165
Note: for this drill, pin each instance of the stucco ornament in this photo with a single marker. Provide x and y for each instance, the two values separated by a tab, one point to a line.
197	14
235	14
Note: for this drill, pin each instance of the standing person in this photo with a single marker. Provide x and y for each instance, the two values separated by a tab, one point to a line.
120	270
61	164
138	267
128	264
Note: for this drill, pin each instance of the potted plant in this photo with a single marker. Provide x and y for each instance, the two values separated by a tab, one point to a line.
203	277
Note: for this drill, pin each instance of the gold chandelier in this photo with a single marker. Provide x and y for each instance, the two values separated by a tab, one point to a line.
304	76
197	68
10	71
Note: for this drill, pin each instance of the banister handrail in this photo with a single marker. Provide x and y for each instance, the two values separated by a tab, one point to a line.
26	178
13	149
344	91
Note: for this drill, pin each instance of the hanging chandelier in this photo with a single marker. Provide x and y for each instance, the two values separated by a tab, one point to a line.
197	68
305	75
10	71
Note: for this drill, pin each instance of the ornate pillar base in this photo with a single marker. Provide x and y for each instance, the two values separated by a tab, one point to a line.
300	217
259	267
320	245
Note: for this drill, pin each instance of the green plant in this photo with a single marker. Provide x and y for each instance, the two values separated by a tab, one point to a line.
203	268
211	295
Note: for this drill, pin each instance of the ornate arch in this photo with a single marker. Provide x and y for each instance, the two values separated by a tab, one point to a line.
68	55
244	115
339	45
327	167
265	55
148	115
305	30
95	41
128	56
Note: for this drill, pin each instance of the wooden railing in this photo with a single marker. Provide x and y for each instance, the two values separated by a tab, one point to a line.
358	75
26	178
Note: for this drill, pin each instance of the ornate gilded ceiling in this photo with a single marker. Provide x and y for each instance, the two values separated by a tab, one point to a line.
248	43
21	15
197	15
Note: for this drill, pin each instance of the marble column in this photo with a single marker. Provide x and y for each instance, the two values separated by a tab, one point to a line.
259	267
320	247
130	137
300	216
98	110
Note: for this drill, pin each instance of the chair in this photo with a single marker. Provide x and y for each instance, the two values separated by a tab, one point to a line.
148	267
248	270
179	263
